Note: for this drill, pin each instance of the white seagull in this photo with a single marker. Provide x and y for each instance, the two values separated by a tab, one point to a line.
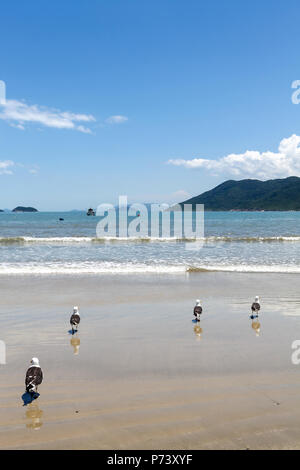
75	319
197	309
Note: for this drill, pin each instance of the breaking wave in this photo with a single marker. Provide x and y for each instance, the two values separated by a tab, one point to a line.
79	239
113	268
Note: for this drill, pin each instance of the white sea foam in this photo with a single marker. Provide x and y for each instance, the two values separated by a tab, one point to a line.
135	268
88	268
78	240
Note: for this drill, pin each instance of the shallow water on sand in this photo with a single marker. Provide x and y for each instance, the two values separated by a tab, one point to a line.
145	375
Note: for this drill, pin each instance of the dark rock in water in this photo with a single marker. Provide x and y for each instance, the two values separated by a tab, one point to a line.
24	209
61	218
91	212
1	210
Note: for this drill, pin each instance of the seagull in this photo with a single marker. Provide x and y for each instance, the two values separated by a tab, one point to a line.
75	319
197	310
255	307
34	376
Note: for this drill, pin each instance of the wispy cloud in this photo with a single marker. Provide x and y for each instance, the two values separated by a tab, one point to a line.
5	167
17	126
179	195
34	170
85	130
264	165
18	113
116	119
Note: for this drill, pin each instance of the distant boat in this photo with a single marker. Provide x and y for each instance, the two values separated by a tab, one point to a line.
91	212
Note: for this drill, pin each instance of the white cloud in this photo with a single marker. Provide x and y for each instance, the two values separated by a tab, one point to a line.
18	113
84	129
263	165
179	195
4	167
116	119
17	126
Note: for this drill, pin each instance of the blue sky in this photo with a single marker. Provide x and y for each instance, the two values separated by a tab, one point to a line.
154	99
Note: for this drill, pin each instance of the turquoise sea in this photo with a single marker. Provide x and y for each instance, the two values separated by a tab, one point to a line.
234	241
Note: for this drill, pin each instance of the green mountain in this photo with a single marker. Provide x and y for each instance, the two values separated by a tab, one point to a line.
251	195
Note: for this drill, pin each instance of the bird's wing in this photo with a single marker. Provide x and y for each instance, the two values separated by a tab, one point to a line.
75	319
41	376
34	376
255	306
197	309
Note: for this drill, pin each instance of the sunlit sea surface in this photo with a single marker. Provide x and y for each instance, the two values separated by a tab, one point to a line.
40	243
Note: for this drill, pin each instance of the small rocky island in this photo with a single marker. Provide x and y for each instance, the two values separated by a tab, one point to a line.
24	209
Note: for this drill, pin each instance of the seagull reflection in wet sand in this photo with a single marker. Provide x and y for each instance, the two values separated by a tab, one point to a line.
198	331
255	325
75	343
34	417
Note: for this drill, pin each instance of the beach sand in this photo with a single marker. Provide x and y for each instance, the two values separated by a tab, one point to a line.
144	376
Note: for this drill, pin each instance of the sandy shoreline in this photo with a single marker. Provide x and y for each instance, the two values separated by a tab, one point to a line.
144	378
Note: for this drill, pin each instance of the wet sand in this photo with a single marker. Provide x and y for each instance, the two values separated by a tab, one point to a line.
145	376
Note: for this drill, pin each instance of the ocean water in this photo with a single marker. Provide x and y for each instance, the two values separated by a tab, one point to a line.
39	243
